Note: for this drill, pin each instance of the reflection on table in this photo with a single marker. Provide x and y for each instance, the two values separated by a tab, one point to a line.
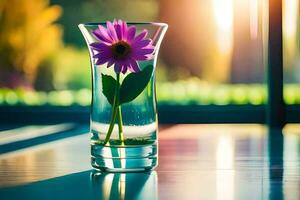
195	162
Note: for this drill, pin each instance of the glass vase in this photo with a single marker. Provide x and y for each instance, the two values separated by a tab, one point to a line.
123	121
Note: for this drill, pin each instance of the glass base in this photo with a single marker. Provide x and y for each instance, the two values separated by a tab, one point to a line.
128	158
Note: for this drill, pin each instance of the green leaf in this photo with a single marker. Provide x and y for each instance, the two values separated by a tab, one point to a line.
134	84
108	87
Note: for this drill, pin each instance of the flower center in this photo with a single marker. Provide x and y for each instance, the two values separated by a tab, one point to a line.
120	50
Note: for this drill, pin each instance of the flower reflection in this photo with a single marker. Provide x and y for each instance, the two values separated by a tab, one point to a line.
224	168
124	185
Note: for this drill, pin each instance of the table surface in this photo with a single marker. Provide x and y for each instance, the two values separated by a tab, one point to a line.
195	162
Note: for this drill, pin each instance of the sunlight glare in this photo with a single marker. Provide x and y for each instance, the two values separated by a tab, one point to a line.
290	14
223	12
225	171
290	20
253	19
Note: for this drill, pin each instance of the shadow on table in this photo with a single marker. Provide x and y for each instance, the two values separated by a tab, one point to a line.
276	165
88	185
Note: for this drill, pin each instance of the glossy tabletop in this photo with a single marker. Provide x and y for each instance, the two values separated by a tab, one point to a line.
195	162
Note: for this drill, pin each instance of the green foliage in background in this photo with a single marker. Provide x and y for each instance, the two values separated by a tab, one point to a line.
188	92
71	68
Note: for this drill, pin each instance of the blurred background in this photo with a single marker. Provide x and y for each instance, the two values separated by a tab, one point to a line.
214	52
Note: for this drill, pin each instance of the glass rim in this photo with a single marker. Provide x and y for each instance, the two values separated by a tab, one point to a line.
161	24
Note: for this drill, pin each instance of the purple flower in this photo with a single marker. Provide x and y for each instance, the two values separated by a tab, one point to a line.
120	46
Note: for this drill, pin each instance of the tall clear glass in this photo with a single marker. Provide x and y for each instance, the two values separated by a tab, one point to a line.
125	138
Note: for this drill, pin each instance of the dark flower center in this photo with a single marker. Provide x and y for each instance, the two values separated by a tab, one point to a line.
120	50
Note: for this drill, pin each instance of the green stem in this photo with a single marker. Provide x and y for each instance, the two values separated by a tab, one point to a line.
120	124
114	111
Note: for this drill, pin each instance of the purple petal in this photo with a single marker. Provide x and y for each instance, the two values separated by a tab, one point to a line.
101	61
101	34
102	57
134	66
111	31
150	56
140	57
100	37
104	32
144	51
143	54
103	50
124	28
141	36
124	69
131	33
97	55
99	46
110	63
142	43
118	68
118	29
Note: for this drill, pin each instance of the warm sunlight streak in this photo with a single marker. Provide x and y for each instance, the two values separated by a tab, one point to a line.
122	186
290	14
253	19
290	20
223	12
223	17
225	152
225	172
107	186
